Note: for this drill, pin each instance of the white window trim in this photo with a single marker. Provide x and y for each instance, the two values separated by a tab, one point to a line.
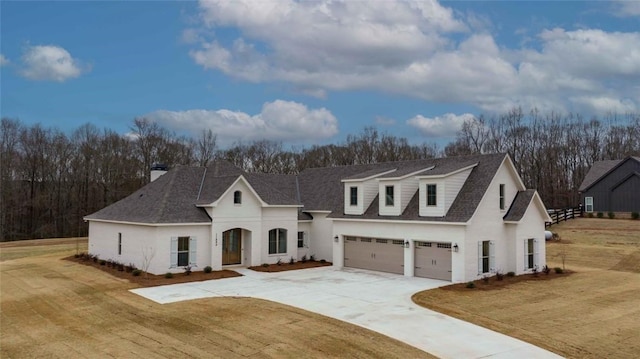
192	256
588	201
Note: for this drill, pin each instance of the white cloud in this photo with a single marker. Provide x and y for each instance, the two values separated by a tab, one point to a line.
3	60
385	121
446	125
50	63
278	120
626	8
418	49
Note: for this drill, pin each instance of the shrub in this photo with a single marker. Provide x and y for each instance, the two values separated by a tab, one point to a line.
120	267
611	215
279	262
77	255
187	270
265	265
312	258
485	279
499	275
323	261
291	261
136	272
635	215
589	215
546	269
600	215
471	285
511	274
103	262
168	275
303	259
558	270
208	269
535	271
94	258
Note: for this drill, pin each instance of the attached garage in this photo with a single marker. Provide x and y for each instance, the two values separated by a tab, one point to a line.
385	255
433	260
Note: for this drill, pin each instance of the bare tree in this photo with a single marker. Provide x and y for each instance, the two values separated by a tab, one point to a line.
148	253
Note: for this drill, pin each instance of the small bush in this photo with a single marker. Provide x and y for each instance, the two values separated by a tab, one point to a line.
499	275
291	261
303	259
187	270
312	258
558	270
635	215
485	279
103	262
279	262
265	265
589	215
611	215
535	271
94	258
77	255
168	275
471	285
120	267
600	215
546	269
323	261
511	274
136	272
208	269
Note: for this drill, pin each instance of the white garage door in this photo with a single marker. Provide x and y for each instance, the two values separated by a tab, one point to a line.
433	260
385	255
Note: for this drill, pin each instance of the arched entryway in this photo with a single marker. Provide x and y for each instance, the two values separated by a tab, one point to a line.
232	247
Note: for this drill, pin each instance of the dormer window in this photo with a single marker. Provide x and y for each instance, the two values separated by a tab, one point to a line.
237	197
388	201
353	194
502	196
432	198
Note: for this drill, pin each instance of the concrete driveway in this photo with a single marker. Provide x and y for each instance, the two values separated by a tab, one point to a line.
377	301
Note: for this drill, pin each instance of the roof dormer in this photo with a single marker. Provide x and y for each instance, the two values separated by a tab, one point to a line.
396	189
439	187
360	190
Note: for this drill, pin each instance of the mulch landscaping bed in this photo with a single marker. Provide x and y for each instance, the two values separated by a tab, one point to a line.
286	266
151	280
492	283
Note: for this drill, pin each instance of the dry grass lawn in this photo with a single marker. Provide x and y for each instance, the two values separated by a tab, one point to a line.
59	309
592	313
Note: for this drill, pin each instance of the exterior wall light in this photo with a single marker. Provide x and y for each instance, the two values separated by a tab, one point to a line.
336	239
407	244
455	247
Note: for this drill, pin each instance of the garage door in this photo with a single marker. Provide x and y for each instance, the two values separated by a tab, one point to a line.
385	255
433	260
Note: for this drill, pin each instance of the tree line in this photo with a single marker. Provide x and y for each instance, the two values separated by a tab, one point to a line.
50	180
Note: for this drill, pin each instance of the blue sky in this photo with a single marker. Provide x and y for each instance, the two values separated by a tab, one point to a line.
313	72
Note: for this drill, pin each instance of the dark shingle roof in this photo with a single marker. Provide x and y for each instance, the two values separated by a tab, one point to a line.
321	187
597	170
600	169
519	205
173	197
169	199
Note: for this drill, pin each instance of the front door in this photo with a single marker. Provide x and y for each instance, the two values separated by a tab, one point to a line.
231	242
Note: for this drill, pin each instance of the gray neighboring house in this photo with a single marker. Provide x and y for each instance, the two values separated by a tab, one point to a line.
612	186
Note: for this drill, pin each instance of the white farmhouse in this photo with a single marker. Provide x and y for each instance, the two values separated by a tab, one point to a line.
455	219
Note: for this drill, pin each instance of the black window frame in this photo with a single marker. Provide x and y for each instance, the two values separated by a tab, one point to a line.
237	197
183	251
502	202
389	199
353	196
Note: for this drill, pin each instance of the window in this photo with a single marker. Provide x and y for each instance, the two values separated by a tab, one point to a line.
431	195
300	239
388	195
529	253
277	241
119	243
183	251
353	193
486	257
588	204
502	196
237	197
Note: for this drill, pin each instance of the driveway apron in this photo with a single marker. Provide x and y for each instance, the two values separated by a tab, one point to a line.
374	300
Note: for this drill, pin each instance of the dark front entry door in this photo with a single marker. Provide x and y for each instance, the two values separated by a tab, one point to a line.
231	242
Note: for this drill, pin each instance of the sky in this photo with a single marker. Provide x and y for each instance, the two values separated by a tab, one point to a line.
313	72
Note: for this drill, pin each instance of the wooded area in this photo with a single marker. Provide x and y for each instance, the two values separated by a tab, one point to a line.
49	180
